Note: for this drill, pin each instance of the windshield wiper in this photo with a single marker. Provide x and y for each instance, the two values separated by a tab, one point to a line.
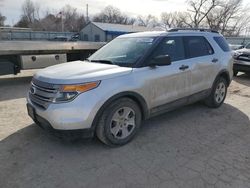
102	61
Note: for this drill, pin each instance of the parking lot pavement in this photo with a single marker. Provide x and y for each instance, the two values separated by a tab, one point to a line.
193	146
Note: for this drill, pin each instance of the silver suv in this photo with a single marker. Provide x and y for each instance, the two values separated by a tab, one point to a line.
132	78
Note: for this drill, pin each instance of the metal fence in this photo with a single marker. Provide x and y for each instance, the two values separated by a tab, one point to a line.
238	40
46	35
32	35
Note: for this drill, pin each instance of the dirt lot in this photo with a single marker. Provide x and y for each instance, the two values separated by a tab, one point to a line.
191	147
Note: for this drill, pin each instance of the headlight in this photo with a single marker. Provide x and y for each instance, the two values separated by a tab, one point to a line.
236	54
69	92
65	96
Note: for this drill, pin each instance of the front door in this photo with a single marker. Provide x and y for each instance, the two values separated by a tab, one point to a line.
165	84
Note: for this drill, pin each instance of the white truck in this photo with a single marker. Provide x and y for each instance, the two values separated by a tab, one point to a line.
20	55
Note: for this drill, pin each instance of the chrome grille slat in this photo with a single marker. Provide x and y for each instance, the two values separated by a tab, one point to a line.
38	102
244	57
43	89
43	98
42	94
43	84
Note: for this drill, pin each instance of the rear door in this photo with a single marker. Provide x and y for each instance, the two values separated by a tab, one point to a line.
203	62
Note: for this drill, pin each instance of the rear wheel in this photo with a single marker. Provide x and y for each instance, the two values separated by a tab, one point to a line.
119	123
218	94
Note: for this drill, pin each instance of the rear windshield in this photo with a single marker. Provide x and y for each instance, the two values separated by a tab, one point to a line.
221	41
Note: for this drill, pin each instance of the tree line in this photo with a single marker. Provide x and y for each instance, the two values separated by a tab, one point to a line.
226	16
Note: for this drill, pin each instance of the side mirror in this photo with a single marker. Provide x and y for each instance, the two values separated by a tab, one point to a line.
161	60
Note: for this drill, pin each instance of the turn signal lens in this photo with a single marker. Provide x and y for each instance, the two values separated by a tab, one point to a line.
81	87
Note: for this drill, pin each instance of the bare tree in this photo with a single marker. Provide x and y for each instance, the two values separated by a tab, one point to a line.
23	22
148	21
2	19
72	20
80	22
69	17
112	14
168	20
229	17
199	9
50	22
175	19
30	15
30	10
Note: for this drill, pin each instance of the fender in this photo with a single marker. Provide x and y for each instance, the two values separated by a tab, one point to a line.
225	74
129	94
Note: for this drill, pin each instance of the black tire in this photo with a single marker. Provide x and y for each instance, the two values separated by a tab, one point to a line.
235	73
211	100
103	129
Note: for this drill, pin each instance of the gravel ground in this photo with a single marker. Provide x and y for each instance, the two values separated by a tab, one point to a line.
193	146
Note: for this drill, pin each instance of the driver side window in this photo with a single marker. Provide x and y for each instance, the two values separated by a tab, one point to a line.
172	46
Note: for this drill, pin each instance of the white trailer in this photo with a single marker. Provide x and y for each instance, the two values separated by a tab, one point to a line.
20	55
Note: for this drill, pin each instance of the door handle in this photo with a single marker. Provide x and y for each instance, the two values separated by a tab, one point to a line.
184	67
215	60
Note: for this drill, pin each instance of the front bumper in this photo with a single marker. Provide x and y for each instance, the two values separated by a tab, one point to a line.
241	66
44	124
75	115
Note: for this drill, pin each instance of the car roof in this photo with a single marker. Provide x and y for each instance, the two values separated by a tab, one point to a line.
144	34
167	33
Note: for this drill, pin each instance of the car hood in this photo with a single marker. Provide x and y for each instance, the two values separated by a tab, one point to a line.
80	72
244	51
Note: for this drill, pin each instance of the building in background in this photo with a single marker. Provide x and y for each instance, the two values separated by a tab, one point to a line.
104	32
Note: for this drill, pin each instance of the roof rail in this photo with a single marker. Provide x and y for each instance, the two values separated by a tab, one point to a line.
192	29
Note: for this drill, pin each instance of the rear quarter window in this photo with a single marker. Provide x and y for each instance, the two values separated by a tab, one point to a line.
221	41
197	46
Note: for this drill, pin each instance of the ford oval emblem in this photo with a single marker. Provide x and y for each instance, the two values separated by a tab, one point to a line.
32	90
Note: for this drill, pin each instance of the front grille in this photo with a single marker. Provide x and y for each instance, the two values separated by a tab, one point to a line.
42	94
244	57
43	84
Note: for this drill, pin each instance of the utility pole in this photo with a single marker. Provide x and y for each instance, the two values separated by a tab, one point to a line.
87	13
62	22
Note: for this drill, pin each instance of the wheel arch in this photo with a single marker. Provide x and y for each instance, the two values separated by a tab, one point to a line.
224	74
127	94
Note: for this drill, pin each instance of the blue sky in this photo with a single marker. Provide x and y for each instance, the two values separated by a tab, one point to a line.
12	8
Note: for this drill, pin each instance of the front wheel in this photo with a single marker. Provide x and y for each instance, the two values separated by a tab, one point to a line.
119	122
218	93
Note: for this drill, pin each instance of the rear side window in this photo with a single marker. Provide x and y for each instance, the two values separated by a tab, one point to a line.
172	46
221	41
197	46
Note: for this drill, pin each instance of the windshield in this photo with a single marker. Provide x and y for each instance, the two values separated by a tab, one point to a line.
248	46
123	51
